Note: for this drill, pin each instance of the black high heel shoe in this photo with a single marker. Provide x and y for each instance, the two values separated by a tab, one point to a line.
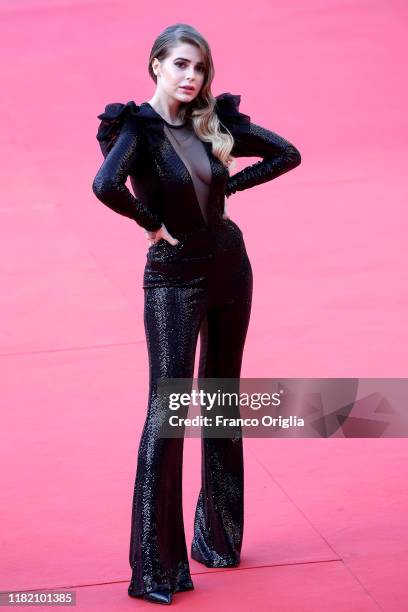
162	597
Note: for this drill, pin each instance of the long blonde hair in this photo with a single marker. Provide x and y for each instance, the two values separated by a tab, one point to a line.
200	112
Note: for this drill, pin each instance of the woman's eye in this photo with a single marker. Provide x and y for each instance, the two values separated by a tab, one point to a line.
182	65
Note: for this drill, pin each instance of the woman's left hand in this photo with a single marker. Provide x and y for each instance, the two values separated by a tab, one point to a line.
225	214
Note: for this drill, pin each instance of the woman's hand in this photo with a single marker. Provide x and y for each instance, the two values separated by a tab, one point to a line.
162	232
225	214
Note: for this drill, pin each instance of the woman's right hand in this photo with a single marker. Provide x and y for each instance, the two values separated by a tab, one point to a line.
162	232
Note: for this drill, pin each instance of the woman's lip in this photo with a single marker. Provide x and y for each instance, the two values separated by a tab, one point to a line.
187	88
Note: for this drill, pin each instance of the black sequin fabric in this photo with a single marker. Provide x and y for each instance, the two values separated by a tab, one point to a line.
200	288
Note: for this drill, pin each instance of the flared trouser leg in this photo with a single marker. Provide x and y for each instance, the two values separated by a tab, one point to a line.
158	555
219	514
174	317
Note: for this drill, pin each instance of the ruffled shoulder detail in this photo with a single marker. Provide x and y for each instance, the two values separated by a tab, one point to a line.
227	109
112	120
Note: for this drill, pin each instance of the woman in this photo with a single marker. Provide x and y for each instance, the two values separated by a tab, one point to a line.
177	149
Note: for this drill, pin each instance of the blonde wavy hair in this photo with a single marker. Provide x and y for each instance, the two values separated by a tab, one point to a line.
200	112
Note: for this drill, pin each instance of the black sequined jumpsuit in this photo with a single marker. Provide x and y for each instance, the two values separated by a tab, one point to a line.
200	287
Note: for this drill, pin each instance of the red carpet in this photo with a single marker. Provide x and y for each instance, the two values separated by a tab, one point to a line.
325	519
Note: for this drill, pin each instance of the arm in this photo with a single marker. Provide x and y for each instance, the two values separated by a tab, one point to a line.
278	156
109	183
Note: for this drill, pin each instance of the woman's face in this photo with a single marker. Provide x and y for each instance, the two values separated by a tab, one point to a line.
184	67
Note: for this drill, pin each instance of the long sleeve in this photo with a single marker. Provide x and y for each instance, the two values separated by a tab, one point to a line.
278	156
109	183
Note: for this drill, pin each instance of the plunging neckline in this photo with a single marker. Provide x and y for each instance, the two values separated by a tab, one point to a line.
173	148
187	166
